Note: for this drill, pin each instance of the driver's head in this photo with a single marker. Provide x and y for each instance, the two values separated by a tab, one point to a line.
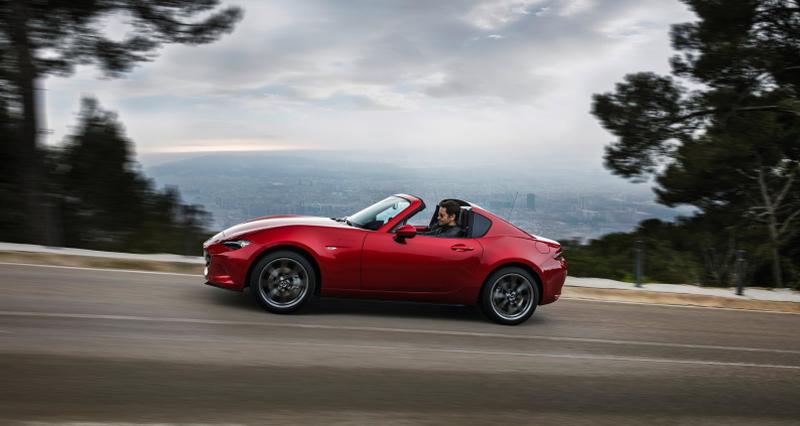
448	212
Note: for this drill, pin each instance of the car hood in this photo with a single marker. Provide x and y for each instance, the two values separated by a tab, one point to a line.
267	222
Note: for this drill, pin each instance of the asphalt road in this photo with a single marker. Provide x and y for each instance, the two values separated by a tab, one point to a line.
98	347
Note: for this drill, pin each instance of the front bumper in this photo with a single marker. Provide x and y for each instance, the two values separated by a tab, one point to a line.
225	268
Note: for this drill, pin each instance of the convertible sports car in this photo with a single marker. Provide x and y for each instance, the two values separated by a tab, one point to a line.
376	254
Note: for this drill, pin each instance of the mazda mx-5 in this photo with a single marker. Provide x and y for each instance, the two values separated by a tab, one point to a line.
377	253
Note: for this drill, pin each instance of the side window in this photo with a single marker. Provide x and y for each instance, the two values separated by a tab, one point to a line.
480	225
421	218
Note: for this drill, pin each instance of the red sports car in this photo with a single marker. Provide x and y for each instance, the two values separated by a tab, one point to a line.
376	254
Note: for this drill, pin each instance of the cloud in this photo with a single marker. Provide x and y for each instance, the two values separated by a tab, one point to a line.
492	15
574	7
432	75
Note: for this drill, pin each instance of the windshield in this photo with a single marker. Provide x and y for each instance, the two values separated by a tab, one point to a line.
376	215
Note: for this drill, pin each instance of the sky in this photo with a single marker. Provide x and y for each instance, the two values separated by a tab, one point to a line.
421	81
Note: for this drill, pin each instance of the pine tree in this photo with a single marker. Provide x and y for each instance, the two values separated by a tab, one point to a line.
733	142
50	37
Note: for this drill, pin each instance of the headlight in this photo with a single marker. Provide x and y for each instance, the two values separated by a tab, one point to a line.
236	244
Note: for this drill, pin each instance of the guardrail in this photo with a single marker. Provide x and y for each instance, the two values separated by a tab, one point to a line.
158	257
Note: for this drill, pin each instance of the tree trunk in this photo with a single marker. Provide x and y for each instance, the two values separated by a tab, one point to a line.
31	177
776	260
776	267
772	226
771	206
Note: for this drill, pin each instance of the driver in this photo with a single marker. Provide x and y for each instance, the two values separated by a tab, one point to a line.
446	226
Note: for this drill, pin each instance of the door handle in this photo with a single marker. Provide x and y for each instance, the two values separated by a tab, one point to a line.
461	247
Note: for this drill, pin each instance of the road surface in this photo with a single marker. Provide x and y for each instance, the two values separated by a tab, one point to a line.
80	346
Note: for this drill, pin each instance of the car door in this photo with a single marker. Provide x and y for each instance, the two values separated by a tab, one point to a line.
423	264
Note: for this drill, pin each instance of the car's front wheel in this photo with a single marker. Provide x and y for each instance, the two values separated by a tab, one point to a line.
509	296
283	281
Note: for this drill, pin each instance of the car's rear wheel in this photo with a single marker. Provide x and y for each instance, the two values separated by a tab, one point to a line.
509	296
282	282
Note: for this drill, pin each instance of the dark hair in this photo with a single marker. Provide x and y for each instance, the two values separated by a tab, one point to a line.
451	207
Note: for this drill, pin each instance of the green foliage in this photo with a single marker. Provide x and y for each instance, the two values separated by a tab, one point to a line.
731	147
51	37
608	257
63	33
695	250
613	256
643	113
105	203
10	214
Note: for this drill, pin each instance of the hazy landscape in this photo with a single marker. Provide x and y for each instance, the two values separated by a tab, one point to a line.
545	200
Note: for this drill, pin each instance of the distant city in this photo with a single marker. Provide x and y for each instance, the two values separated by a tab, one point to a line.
556	204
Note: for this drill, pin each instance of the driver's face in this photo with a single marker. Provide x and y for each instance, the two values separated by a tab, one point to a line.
444	219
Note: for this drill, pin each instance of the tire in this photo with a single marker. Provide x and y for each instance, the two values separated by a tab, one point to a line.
509	296
283	282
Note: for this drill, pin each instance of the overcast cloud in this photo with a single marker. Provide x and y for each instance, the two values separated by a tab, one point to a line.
410	79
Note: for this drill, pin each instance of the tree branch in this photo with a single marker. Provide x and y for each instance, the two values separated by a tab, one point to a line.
786	187
788	221
700	113
775	108
764	190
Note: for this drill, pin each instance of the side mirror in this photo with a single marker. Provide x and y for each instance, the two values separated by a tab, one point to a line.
405	231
